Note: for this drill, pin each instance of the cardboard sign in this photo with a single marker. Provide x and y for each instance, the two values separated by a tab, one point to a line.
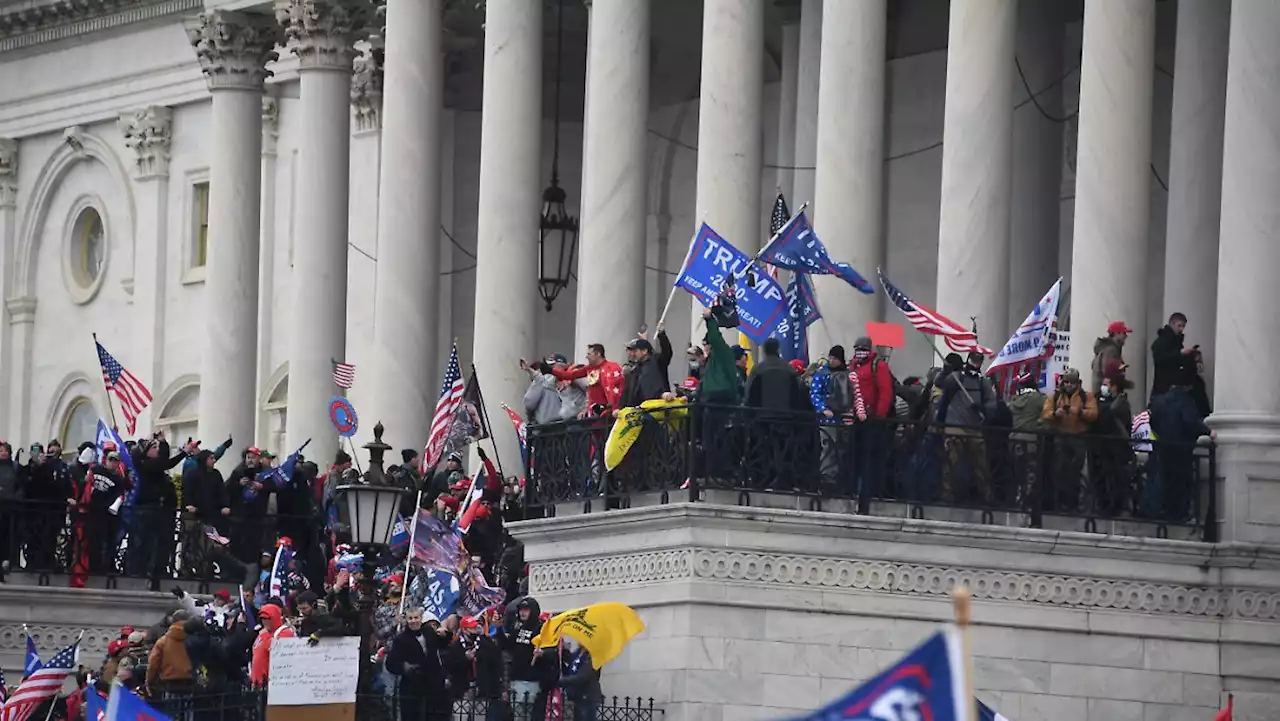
303	675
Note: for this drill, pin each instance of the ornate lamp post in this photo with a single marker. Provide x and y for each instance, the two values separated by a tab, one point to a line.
557	230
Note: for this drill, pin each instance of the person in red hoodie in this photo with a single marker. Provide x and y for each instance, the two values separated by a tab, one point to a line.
273	627
604	381
872	435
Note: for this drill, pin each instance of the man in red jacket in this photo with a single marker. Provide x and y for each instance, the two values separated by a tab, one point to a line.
873	434
604	381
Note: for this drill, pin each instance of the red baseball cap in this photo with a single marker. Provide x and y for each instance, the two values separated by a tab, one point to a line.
253	451
690	384
1118	326
797	365
222	595
448	500
469	622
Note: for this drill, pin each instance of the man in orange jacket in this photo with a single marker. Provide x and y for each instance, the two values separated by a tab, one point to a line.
273	627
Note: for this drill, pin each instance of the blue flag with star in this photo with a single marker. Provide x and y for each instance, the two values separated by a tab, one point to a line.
797	247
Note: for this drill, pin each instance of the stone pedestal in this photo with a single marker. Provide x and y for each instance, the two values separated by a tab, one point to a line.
755	613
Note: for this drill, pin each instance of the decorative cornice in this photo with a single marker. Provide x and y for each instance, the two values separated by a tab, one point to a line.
366	90
234	48
62	19
13	637
322	33
147	132
21	309
270	124
8	172
827	574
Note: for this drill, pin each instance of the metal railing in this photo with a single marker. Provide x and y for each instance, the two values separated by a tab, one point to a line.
146	542
1023	477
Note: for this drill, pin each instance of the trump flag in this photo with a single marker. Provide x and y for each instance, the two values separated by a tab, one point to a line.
713	260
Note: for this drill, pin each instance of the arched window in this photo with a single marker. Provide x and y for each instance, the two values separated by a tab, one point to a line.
180	416
79	424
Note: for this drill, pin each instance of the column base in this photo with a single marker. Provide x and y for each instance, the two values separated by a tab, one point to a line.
1247	477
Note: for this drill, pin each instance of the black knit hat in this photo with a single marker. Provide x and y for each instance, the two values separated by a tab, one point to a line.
407	454
836	352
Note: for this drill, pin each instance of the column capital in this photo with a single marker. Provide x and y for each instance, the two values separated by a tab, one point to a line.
22	309
147	132
234	48
322	33
366	90
8	172
270	124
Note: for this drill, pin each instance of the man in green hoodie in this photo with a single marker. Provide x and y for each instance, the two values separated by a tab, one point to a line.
717	387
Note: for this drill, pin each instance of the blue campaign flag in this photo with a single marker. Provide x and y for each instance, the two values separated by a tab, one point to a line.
281	475
711	261
32	662
107	434
95	705
443	591
802	312
124	705
399	536
797	247
927	683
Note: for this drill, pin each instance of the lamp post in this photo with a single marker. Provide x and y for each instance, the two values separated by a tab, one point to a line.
371	512
557	229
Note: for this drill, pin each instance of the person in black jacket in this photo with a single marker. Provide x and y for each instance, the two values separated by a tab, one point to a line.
1177	426
414	656
525	670
12	478
481	662
48	487
156	504
100	502
645	379
1170	359
580	680
315	623
247	497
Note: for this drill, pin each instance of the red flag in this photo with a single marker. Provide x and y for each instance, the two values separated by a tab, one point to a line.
1225	714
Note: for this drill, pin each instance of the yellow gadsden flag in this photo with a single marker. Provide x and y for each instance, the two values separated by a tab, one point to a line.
602	628
626	429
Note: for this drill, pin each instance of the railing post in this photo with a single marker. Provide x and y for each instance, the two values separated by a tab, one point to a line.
1211	513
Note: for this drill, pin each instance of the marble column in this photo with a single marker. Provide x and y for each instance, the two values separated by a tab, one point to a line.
848	210
321	33
406	293
8	249
1247	408
1037	157
977	167
1195	171
730	126
233	49
611	249
789	67
148	132
1113	154
808	72
506	297
267	263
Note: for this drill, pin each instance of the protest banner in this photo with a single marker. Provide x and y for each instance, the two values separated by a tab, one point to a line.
313	683
712	260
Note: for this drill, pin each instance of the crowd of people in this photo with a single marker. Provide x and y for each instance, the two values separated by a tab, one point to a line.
948	430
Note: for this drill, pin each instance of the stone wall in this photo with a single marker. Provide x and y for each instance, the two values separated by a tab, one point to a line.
759	613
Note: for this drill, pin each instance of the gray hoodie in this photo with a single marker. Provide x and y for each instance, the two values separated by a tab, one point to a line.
546	404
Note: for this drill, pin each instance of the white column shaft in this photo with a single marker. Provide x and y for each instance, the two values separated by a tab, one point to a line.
977	167
1195	170
849	186
318	334
1113	155
612	246
407	287
806	120
228	366
506	297
787	92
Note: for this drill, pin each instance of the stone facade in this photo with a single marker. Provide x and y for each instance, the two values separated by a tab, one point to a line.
759	613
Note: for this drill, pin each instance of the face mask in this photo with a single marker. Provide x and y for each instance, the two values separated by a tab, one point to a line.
1105	391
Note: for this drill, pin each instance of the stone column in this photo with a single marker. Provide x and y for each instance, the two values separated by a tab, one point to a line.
806	121
407	289
321	33
977	167
1195	171
267	263
233	49
22	324
611	250
1037	158
8	249
1113	176
789	66
729	126
506	297
849	189
147	133
1247	412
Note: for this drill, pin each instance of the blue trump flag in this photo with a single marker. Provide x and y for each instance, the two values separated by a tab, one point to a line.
802	312
124	705
927	683
797	247
95	705
281	475
711	261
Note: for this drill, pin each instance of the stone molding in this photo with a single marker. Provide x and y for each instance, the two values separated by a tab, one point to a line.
366	90
270	124
322	33
822	573
62	19
8	173
13	637
22	309
234	48
148	133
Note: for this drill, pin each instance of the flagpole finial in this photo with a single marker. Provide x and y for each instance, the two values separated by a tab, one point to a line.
964	605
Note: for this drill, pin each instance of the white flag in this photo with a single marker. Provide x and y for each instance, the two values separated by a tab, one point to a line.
1029	340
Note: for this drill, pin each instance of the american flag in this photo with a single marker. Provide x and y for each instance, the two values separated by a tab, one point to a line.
451	392
931	322
133	396
344	374
41	685
781	214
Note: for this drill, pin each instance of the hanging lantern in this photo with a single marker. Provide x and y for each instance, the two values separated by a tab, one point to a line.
557	230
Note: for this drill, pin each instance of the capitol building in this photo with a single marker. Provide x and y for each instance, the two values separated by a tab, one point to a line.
233	195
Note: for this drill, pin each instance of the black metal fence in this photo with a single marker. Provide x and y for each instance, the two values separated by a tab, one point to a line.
247	704
683	453
158	544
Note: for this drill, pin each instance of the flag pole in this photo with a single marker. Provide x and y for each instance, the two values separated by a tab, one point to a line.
484	415
676	286
772	238
110	406
964	609
408	556
354	456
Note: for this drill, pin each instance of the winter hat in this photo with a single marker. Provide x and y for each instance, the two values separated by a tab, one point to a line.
203	457
1072	375
863	343
836	353
448	500
136	638
87	456
222	595
797	365
407	454
690	384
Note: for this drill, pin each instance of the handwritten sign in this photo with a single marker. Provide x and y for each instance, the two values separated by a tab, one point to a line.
303	675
